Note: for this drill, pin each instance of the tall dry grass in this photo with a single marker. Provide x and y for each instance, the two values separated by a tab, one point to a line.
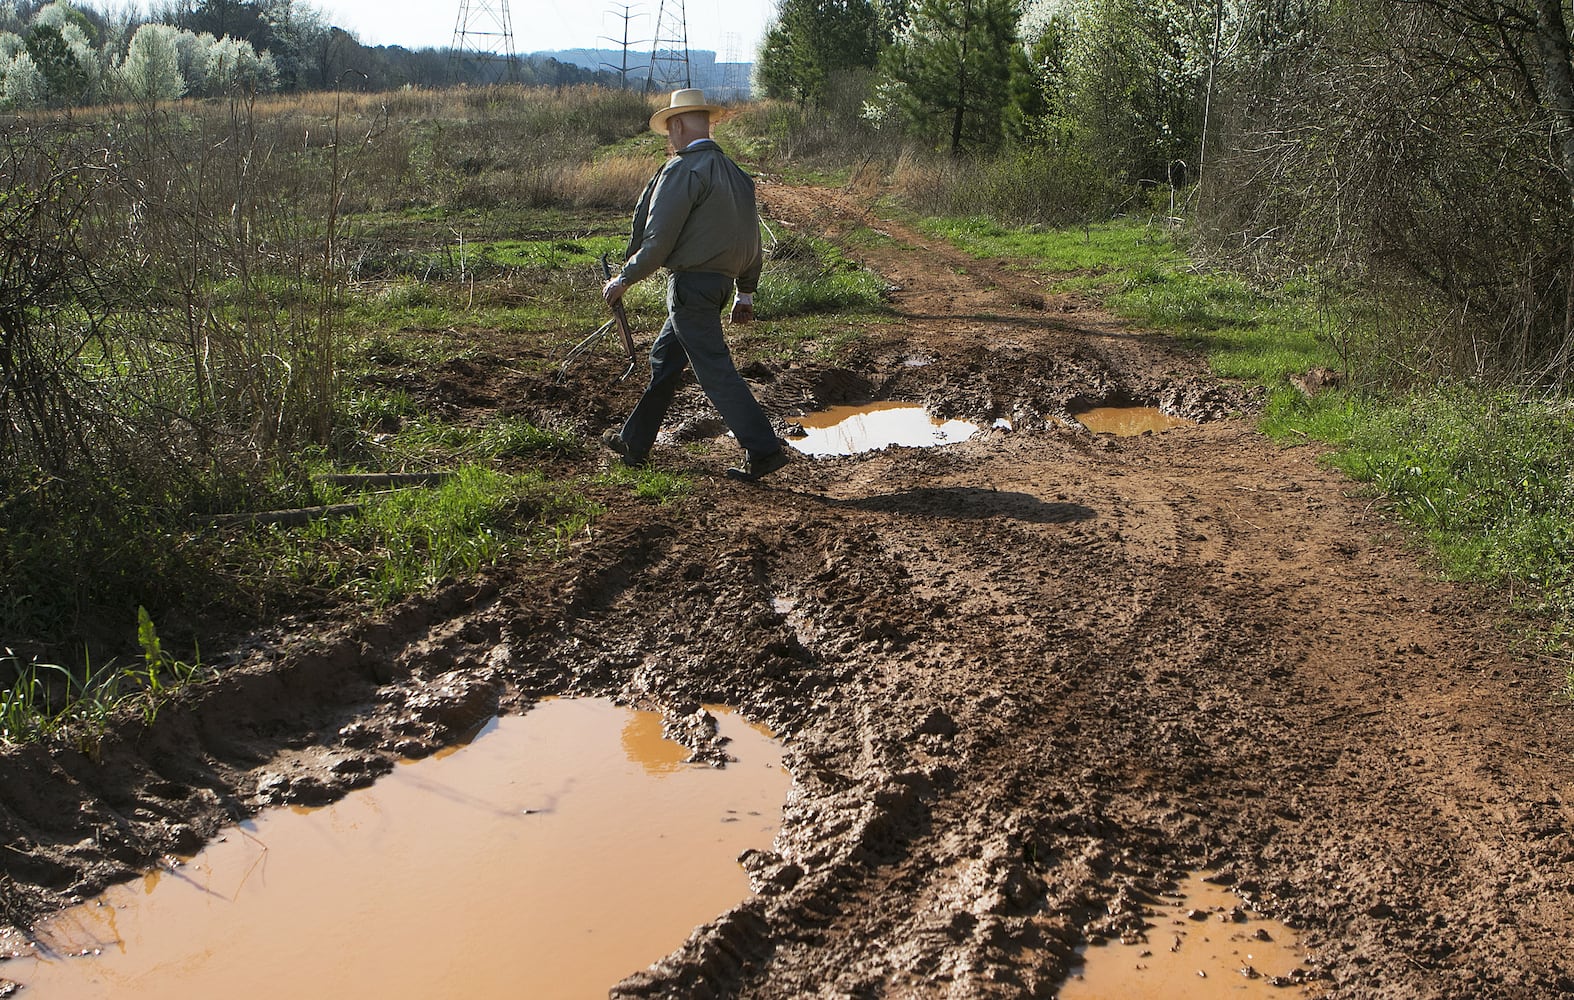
614	182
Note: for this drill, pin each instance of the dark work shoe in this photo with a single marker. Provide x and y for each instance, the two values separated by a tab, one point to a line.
615	443
754	468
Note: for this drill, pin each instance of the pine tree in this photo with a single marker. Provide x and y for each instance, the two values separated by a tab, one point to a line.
65	79
950	72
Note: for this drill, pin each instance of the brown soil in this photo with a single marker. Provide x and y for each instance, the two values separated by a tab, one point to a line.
1026	681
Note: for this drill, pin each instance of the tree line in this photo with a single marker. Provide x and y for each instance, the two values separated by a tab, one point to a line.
57	55
1415	155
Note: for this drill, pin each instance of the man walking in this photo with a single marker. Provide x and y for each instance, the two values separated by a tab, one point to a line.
697	218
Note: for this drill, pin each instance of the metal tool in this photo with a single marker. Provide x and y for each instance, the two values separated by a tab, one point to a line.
621	318
618	322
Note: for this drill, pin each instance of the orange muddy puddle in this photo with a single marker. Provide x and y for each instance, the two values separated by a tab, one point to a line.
557	853
852	430
1128	421
1202	946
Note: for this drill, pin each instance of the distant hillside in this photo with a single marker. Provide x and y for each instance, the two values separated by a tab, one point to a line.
721	80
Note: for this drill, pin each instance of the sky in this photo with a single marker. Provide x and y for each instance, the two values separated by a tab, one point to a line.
723	26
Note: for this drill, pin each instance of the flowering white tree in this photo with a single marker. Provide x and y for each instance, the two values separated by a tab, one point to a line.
151	70
87	56
191	55
58	15
22	85
233	64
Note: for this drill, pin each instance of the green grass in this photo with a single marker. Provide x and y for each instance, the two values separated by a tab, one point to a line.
552	255
804	275
367	407
524	305
786	295
1486	476
489	258
437	225
1140	273
408	541
823	339
1087	251
427	443
648	483
813	301
388	347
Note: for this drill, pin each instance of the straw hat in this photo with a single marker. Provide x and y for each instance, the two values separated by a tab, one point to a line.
683	101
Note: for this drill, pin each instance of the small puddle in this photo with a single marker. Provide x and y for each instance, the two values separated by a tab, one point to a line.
1128	421
1202	946
852	430
554	855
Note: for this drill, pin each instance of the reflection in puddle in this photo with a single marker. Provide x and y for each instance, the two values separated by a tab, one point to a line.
851	430
1202	946
1128	421
559	852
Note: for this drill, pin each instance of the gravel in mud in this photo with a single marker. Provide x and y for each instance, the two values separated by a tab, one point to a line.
1027	682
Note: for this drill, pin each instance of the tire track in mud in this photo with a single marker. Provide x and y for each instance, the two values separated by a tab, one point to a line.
1184	724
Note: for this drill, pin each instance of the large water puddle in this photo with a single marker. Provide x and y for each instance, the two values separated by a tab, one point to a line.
1202	946
852	430
555	854
1128	421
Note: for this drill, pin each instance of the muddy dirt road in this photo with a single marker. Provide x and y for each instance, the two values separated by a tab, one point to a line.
1026	682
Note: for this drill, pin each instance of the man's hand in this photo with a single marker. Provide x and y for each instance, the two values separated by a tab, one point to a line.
743	312
613	290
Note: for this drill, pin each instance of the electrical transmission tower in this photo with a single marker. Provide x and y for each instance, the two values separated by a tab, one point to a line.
669	58
622	70
733	85
483	46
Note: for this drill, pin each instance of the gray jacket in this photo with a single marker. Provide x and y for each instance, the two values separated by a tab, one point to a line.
697	214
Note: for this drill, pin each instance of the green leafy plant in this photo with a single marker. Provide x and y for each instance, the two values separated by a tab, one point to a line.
160	677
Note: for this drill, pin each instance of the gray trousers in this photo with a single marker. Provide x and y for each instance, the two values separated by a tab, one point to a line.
693	336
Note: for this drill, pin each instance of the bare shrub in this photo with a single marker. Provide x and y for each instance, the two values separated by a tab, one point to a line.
833	134
167	341
51	306
922	179
238	223
1405	156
